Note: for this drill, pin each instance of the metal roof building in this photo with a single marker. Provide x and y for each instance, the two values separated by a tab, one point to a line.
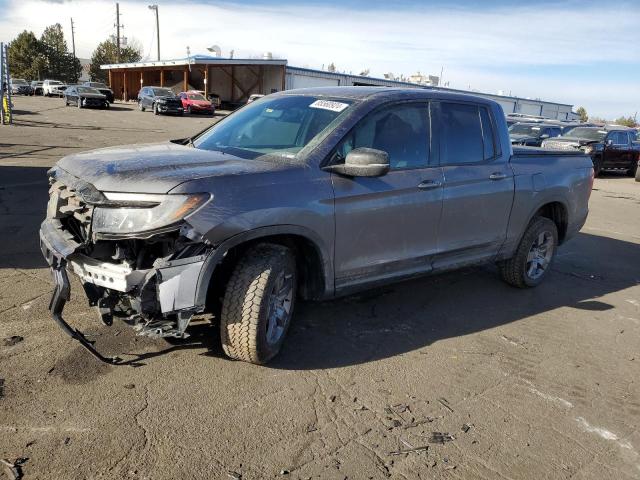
235	79
230	78
305	77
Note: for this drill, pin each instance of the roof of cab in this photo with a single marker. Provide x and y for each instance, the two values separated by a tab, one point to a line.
362	93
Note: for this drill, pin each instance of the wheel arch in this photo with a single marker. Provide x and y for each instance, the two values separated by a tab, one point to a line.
315	268
557	211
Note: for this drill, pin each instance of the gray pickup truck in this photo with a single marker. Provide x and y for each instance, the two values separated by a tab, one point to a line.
305	194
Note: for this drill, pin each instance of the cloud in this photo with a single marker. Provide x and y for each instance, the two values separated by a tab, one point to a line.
491	48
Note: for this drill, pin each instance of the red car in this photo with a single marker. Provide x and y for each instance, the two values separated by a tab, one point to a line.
194	102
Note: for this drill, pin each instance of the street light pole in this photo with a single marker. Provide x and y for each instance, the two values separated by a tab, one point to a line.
155	7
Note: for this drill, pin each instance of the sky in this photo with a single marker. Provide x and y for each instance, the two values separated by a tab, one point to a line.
583	52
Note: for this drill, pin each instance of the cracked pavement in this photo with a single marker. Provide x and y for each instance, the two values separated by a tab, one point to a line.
546	379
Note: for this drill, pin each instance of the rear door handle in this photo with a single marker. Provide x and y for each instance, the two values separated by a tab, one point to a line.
429	184
497	176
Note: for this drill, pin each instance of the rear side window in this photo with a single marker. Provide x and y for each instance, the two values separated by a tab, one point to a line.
462	139
487	134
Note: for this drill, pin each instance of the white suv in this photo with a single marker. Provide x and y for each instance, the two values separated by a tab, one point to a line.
53	87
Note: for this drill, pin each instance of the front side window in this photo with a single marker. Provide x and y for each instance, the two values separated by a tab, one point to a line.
403	131
277	127
461	137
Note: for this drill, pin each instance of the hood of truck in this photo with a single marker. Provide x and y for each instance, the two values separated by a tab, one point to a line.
156	168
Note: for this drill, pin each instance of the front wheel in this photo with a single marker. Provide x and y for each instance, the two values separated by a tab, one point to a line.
140	106
79	102
597	166
534	256
633	171
258	304
155	109
189	109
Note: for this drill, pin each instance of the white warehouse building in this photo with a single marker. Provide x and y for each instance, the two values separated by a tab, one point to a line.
297	77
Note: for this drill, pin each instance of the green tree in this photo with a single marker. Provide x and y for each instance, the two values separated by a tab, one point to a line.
60	63
582	113
23	52
627	121
106	53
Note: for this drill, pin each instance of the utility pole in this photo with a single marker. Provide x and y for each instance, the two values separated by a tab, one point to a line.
155	7
117	25
73	39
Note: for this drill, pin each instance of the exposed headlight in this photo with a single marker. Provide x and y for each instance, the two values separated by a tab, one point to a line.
138	213
587	149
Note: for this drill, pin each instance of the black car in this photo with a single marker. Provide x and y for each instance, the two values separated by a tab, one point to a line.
102	88
83	97
532	134
615	148
36	88
159	100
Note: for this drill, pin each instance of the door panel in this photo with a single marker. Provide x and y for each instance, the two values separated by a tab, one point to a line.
387	226
478	185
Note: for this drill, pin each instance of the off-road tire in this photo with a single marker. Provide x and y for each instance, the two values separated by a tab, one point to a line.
514	270
243	321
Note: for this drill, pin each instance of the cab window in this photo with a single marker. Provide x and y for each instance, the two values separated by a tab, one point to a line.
403	131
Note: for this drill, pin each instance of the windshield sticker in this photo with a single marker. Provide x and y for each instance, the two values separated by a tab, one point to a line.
329	105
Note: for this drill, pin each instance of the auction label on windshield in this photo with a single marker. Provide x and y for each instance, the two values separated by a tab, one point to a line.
329	105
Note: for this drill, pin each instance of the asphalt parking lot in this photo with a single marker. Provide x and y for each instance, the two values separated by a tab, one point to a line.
531	384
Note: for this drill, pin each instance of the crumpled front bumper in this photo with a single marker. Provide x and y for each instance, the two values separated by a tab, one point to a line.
176	282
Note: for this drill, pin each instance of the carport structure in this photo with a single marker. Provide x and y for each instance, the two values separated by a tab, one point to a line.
233	80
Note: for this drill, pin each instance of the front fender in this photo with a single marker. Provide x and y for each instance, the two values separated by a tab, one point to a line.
216	256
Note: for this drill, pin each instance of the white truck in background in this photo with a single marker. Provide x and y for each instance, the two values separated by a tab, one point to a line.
53	88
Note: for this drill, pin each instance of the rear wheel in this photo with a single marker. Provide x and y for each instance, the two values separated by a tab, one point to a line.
79	104
534	255
597	166
633	171
258	304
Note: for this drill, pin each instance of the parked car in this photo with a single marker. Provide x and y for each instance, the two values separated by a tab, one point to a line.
609	149
194	102
19	86
255	96
53	88
102	88
532	134
36	88
566	128
215	100
159	100
310	193
84	97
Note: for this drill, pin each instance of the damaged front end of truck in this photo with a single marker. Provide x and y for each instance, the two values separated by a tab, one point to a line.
136	255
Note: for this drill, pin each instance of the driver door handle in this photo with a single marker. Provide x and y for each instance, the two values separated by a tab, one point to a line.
497	176
429	184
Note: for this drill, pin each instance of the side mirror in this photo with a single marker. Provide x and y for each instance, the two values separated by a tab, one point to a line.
545	135
609	143
363	162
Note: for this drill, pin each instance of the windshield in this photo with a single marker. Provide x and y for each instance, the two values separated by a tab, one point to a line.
97	85
522	129
162	92
196	96
88	90
587	134
55	82
19	81
279	127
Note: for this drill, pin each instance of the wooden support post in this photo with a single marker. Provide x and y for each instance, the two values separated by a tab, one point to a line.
284	75
125	95
141	80
185	81
110	84
206	81
233	83
162	77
